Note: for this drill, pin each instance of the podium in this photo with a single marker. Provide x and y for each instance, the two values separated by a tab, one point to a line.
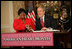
27	39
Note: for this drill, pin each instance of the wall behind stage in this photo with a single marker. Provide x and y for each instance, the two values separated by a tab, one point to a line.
8	14
16	6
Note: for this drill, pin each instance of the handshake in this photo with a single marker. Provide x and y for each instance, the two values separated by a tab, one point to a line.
29	29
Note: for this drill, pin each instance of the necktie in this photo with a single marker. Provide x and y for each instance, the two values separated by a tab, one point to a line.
42	23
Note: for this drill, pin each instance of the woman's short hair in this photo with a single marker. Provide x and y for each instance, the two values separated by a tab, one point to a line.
21	10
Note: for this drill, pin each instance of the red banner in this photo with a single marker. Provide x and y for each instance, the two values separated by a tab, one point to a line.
27	39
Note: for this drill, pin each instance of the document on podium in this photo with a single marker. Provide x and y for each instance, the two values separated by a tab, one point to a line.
46	31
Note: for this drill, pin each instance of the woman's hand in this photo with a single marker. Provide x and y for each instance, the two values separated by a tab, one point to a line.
28	27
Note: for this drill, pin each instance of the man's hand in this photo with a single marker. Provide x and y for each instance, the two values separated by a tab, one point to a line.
44	28
48	29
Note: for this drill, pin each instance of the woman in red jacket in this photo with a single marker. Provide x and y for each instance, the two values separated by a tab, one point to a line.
22	24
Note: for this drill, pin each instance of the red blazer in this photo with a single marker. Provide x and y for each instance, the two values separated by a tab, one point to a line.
20	26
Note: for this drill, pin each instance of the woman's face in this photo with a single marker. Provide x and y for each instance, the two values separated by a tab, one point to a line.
22	15
64	14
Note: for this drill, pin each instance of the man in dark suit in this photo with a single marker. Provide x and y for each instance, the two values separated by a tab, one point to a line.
44	21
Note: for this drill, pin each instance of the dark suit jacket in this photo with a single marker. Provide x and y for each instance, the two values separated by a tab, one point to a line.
48	22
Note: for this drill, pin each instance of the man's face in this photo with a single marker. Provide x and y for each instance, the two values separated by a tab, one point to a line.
40	12
22	15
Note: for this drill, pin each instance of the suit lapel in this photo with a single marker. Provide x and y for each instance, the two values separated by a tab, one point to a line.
45	21
40	23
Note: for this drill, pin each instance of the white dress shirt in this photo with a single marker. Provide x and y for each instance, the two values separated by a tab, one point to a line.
43	18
